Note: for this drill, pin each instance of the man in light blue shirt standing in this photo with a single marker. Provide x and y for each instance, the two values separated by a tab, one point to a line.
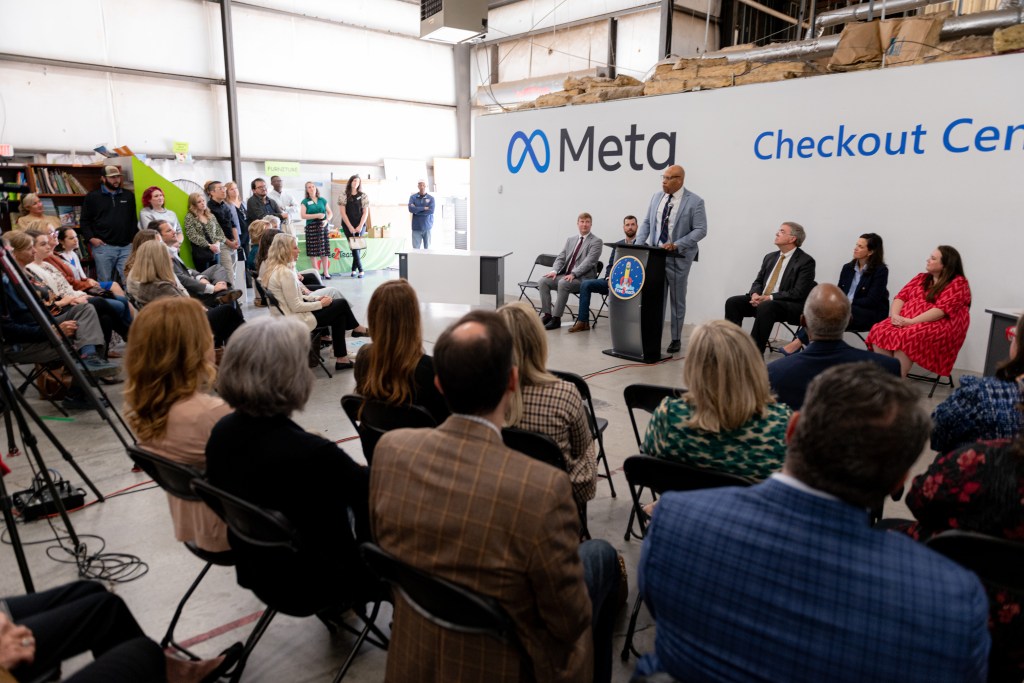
421	206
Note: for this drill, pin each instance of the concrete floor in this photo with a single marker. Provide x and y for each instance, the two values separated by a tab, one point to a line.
220	613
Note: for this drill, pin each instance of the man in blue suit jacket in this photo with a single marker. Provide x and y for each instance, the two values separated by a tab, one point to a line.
787	581
675	221
826	316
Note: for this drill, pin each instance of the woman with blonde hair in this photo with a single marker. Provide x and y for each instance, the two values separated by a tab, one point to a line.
203	232
256	230
394	369
32	216
145	235
152	278
169	364
280	279
548	405
727	420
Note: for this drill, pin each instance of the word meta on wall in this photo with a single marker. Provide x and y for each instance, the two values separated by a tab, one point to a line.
612	151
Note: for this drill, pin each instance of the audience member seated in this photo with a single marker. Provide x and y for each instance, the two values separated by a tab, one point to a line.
260	455
575	263
57	624
152	278
543	403
168	404
87	286
979	487
314	311
256	230
203	231
787	581
153	209
928	321
114	314
865	282
826	316
457	503
984	408
26	342
144	235
778	292
210	286
32	216
261	254
394	369
727	420
66	251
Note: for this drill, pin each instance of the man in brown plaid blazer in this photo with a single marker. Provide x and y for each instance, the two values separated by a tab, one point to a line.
455	502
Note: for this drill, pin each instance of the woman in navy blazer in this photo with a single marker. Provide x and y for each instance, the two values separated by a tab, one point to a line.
869	302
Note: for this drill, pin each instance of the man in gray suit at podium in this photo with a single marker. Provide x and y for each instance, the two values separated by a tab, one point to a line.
577	262
675	221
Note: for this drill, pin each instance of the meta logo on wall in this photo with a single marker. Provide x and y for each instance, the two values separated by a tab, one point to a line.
612	152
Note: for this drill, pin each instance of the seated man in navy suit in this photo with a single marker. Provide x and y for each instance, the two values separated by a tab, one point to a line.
778	292
826	316
787	580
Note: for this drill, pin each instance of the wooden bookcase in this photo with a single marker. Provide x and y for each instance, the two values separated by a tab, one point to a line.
43	180
14	186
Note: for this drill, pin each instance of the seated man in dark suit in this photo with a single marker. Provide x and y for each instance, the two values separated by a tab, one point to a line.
456	502
826	315
778	292
211	286
788	581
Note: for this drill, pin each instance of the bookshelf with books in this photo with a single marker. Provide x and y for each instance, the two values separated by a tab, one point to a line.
13	186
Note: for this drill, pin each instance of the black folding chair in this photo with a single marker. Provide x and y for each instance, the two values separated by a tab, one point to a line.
544	261
935	381
643	471
314	337
542	447
269	529
176	479
597	424
998	562
372	419
646	397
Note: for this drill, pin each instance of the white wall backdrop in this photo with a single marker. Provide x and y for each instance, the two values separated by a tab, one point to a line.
971	200
71	109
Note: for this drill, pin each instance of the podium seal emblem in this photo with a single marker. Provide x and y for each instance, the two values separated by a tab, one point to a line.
627	277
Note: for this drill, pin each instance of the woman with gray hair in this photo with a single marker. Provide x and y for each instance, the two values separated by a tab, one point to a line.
261	455
312	309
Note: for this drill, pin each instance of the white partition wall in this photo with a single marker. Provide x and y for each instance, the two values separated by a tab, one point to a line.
960	184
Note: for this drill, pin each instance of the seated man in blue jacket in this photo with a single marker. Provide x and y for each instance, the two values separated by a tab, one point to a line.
788	581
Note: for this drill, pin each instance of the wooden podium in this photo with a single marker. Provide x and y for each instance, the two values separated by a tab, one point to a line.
636	302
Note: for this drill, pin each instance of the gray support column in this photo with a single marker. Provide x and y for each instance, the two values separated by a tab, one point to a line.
613	39
232	93
665	29
463	109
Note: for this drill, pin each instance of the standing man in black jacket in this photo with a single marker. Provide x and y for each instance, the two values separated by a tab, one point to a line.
228	219
109	223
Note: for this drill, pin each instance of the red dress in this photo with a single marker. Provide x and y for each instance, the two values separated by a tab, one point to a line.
934	345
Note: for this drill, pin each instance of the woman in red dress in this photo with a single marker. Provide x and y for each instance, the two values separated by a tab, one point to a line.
928	321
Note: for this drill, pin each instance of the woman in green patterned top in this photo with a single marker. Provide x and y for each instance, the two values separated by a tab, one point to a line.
728	420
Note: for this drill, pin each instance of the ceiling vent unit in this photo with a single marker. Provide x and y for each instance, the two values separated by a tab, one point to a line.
452	21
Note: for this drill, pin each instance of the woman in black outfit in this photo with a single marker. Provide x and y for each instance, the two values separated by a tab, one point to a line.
869	300
355	209
260	455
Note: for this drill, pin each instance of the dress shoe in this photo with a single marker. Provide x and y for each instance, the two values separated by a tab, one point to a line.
674	346
580	326
545	318
229	295
553	324
343	366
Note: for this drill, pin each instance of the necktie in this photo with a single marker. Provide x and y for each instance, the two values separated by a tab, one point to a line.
572	259
770	287
663	237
